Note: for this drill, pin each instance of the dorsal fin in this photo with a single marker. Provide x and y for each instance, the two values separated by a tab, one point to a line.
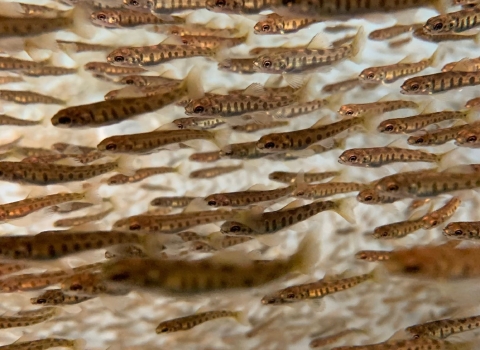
464	65
407	59
258	187
296	81
295	204
388	97
318	42
322	121
400	143
429	108
274	81
254	89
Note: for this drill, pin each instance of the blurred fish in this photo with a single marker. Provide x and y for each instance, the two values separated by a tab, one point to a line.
391	73
198	30
46	343
327	189
327	340
166	7
175	202
438	38
439	82
473	103
10	79
222	241
8	120
140	174
420	344
395	44
38	10
16	64
90	284
276	24
315	290
198	123
245	7
208	173
469	230
188	322
124	18
384	105
28	97
28	318
342	86
57	297
205	157
453	22
81	220
244	150
373	255
110	69
466	64
393	31
339	28
7	268
147	80
127	251
438	137
468	137
246	198
439	216
70	207
238	65
208	274
78	46
441	329
308	177
48	70
63	147
253	127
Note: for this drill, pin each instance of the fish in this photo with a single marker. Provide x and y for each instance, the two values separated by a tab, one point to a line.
114	111
468	230
78	46
236	228
375	157
7	268
419	344
38	10
188	322
420	121
173	223
17	65
311	57
48	70
212	42
304	138
438	137
270	222
327	340
28	97
46	343
10	79
199	123
57	297
327	189
243	150
151	141
315	290
301	108
238	65
308	177
29	205
253	127
441	329
28	318
140	174
146	56
391	73
276	24
81	220
468	137
453	22
8	120
383	105
438	38
147	80
166	7
174	202
373	255
70	207
246	198
205	157
439	216
245	7
198	30
134	92
439	82
342	86
124	18
473	103
127	251
398	229
208	274
208	173
399	43
63	147
393	31
90	283
110	69
370	196
466	64
222	241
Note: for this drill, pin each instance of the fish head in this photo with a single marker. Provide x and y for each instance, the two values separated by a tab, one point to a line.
417	86
469	138
417	331
390	186
349	111
138	5
124	57
73	117
128	224
202	106
270	64
236	228
459	230
218	200
224	6
355	157
372	75
391	127
383	232
368	196
407	262
168	327
418	140
272	299
184	123
266	26
273	143
133	80
105	18
115	144
439	24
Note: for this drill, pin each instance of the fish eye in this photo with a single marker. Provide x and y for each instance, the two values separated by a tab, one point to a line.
392	187
389	127
41	301
419	140
269	145
300	193
76	286
220	3
164	330
438	26
434	223
185	41
101	17
370	75
352	158
120	276
271	301
411	268
134	2
458	232
180	125
119	58
64	120
235	228
228	153
349	112
129	82
212	203
368	198
416	336
199	109
266	27
290	296
111	147
472	138
414	87
134	227
267	64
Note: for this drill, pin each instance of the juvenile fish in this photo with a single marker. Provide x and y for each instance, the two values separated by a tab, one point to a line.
90	284
308	177
166	7
172	223
370	196
308	58
467	64
253	127
212	42
473	103
276	24
81	220
373	255
110	69
240	7
78	46
127	251
245	198
244	150
147	80
393	31
453	22
208	173
124	18
441	329
47	343
375	157
8	120
324	341
16	64
205	157
57	297
174	202
7	268
375	108
439	216
468	137
49	70
28	97
28	318
238	65
397	229
151	141
140	174
439	38
420	121
114	111
438	137
342	86
37	10
439	82
198	30
418	344
399	43
198	123
10	79
208	274
188	322
469	230
70	207
223	241
301	108
322	190
314	290
391	73
63	147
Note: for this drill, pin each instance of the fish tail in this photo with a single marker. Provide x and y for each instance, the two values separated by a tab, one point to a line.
307	254
443	159
477	39
91	194
221	137
441	6
79	344
435	58
471	115
125	165
344	208
242	317
332	102
358	44
378	275
193	84
80	21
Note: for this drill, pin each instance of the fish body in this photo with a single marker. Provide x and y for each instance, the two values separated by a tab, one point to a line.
468	64
473	103
48	70
81	220
208	173
246	198
43	344
253	127
89	284
28	318
324	341
16	64
322	190
8	120
375	108
78	46
398	229
146	80
70	207
342	86
243	150
439	38
188	322
441	329
276	24
373	255
238	65
417	344
174	202
437	137
199	30
245	7
32	26
57	297
393	31
371	196
28	97
453	22
10	79
212	42
308	177
468	137
170	6
439	82
110	69
124	18
301	108
140	174
468	230
205	157
439	216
